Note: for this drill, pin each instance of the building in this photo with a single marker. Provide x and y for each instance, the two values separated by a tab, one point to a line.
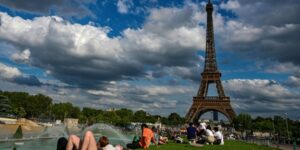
71	122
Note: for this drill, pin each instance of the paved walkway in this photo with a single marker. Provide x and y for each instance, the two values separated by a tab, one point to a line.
286	147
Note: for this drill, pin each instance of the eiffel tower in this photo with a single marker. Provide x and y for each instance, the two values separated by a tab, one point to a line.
203	103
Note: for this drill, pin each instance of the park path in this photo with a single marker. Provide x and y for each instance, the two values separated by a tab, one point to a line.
286	147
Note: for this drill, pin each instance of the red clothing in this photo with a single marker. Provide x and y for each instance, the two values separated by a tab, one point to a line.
146	138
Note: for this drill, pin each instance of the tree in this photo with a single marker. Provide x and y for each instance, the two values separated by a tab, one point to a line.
5	107
262	124
140	116
91	114
65	110
126	115
243	122
111	117
20	112
280	126
175	119
38	105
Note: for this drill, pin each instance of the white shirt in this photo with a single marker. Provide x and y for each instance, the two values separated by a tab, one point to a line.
209	132
109	147
219	135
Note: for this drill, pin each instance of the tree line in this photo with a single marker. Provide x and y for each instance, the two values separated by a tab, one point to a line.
278	125
42	107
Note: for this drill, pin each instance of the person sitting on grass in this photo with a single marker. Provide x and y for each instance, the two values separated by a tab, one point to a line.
218	136
160	140
201	133
145	140
209	136
191	133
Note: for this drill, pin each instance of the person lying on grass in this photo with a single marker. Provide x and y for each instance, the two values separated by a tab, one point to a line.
89	143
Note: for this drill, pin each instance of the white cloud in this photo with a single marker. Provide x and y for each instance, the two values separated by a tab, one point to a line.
293	81
102	93
261	97
124	6
77	39
170	37
231	4
24	56
14	75
166	90
283	68
8	72
257	89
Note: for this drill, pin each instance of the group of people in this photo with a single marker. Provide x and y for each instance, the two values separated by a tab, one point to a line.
148	137
197	134
203	134
88	142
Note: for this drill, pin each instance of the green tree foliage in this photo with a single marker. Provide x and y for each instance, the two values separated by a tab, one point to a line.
262	124
243	122
19	112
33	105
65	110
38	105
5	106
140	116
111	117
295	130
280	126
175	120
126	115
91	115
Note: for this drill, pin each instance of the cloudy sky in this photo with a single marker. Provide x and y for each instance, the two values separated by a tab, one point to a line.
149	54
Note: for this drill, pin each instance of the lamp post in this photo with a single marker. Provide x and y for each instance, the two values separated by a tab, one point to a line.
274	132
287	126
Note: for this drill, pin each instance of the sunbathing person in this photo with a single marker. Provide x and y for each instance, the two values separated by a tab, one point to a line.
89	143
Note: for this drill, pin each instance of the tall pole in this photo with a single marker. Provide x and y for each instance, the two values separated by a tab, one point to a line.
287	126
274	131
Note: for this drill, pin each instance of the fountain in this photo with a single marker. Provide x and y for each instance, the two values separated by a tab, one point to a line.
47	139
114	134
54	132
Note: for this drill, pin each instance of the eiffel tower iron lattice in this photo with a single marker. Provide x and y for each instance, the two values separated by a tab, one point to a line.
202	102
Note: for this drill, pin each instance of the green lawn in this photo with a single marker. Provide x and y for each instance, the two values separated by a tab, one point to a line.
229	145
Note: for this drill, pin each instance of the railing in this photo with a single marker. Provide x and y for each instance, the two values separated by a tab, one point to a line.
211	98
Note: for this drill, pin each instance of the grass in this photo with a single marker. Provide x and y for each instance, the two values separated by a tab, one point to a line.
229	145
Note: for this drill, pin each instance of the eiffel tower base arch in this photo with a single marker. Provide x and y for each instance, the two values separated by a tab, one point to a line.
202	105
